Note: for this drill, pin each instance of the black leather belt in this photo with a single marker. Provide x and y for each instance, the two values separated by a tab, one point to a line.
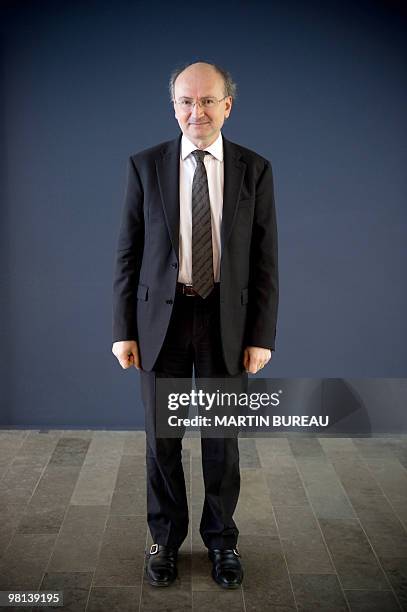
189	290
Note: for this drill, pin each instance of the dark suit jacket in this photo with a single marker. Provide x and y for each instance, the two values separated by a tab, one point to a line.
146	265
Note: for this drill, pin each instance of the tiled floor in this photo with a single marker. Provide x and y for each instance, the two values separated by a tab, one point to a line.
323	523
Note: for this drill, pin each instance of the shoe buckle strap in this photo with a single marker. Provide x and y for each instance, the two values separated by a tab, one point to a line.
154	549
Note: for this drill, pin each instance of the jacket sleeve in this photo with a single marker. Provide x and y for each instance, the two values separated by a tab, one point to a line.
129	252
263	282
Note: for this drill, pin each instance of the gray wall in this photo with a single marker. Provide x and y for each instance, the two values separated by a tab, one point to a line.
322	94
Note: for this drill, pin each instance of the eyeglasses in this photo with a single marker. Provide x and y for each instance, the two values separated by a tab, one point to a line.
208	102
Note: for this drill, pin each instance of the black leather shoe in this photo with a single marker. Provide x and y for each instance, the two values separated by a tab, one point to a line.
161	565
227	569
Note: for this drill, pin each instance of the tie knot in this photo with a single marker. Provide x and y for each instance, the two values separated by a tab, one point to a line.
199	155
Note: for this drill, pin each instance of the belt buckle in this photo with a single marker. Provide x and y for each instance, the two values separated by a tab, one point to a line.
185	285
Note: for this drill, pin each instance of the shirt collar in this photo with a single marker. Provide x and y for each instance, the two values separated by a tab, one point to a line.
215	149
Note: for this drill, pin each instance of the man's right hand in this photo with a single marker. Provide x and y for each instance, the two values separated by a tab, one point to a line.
127	353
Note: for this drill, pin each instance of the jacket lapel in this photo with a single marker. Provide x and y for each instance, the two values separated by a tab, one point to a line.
167	165
234	169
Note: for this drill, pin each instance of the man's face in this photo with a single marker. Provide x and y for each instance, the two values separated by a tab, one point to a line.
201	125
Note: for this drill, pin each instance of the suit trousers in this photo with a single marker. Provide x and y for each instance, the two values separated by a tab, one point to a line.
192	342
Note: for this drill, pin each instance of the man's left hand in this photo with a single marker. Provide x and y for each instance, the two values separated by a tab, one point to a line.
255	358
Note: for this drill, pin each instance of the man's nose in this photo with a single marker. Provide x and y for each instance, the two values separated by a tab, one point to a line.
197	111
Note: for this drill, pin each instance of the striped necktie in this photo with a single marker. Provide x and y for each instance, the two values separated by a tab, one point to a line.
202	256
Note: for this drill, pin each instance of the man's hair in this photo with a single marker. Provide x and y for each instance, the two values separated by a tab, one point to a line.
229	85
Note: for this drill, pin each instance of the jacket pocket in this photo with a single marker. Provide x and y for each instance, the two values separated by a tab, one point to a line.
244	295
245	202
142	292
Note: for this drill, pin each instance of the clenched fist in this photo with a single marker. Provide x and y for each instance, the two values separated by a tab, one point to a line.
255	358
127	353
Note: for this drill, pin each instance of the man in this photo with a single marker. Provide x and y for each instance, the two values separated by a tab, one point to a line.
196	286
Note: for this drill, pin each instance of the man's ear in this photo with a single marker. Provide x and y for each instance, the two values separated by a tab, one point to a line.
230	105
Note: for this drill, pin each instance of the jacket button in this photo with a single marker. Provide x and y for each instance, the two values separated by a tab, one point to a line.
169	301
174	265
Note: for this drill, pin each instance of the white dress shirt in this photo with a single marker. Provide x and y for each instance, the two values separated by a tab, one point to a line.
215	173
